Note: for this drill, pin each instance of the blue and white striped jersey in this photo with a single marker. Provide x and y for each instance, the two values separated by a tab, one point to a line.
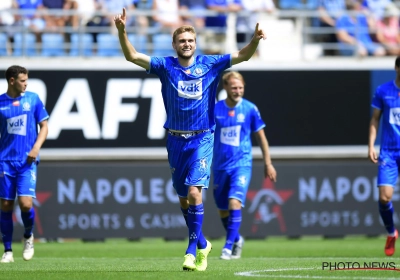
387	99
189	92
232	140
19	118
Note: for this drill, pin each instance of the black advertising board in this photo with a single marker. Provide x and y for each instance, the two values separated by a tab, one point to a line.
108	109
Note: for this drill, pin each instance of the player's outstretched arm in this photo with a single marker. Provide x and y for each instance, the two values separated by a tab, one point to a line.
34	152
129	51
373	130
269	169
247	52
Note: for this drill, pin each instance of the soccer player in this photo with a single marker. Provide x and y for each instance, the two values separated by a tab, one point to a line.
188	89
21	112
236	120
386	105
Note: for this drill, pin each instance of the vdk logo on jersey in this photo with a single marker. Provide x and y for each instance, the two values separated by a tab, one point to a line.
17	125
231	135
394	116
192	89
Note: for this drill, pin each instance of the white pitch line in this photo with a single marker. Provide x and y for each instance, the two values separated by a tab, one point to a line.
255	273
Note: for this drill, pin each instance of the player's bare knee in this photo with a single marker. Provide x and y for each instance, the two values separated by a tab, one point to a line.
385	199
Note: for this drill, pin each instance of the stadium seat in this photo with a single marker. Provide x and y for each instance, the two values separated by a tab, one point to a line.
81	44
108	45
139	42
3	44
52	44
298	4
162	44
24	44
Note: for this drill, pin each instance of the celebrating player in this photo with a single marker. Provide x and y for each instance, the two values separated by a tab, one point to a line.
188	89
236	119
21	112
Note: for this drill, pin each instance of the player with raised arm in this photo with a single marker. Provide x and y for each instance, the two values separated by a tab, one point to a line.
21	112
386	106
188	89
236	120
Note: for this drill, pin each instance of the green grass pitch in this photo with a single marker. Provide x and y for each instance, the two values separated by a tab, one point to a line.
272	258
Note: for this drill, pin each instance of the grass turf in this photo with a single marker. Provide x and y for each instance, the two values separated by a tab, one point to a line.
272	258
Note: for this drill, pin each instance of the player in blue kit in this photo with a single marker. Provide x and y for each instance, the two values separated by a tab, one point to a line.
188	89
236	120
386	106
21	112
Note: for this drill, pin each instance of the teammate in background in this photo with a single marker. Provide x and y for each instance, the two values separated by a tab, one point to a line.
188	89
236	119
386	104
21	112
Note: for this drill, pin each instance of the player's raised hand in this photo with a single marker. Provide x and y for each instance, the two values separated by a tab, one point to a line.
259	33
120	20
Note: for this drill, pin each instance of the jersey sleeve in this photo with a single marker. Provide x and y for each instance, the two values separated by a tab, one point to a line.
222	62
40	111
377	99
256	121
157	64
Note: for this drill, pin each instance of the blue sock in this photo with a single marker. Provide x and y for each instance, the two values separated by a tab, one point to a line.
6	227
195	222
235	219
202	243
386	212
28	218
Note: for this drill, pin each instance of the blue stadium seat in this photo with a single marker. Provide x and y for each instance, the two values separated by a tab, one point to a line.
108	45
139	42
52	44
81	44
24	44
298	4
162	44
3	44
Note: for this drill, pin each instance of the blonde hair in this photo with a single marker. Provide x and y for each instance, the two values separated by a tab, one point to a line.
234	75
183	29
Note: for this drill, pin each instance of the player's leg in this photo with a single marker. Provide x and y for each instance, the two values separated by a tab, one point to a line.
199	153
240	180
387	177
26	190
184	202
7	197
179	163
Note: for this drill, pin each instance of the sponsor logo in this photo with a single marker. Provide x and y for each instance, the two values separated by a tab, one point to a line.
17	125
266	205
192	89
4	108
231	135
394	116
15	103
231	113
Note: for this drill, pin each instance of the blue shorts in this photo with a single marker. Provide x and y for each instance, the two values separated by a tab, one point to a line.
388	167
17	178
190	161
232	183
